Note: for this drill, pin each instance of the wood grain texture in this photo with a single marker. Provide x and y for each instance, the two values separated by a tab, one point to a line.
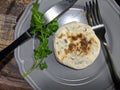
13	7
10	78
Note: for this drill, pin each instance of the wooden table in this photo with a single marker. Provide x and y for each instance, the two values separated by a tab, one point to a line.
10	78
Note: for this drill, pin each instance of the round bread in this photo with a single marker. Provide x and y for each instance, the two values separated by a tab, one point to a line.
76	45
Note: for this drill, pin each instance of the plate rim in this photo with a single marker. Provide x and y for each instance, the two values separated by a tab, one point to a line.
27	11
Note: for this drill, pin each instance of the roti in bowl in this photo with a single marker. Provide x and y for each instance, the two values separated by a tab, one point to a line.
76	45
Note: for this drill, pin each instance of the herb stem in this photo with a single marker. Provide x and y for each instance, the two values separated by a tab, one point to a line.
42	32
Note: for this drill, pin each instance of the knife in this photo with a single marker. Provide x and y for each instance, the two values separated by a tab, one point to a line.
56	10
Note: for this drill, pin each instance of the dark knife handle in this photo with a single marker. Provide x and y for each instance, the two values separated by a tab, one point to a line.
25	36
113	70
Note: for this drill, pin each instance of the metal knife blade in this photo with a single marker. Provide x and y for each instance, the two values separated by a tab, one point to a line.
58	9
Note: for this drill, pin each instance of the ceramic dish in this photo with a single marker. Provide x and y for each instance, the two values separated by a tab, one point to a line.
57	76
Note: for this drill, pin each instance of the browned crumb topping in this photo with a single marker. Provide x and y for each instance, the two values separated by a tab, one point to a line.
79	45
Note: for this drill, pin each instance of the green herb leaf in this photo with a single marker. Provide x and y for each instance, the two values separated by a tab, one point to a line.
42	32
43	65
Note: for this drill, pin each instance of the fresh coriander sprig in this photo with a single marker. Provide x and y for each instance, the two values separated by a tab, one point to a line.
42	32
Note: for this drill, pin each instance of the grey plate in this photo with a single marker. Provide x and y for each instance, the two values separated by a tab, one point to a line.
60	77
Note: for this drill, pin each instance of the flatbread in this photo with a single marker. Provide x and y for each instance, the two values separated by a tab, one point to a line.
76	45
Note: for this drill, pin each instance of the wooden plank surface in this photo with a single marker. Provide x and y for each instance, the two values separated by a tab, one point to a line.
10	78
